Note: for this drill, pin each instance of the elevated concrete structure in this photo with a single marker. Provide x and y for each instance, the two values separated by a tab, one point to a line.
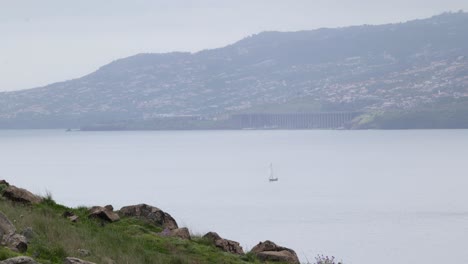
329	120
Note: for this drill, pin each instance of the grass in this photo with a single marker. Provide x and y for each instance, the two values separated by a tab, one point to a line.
129	240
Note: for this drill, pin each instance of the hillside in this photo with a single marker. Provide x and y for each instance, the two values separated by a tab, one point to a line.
367	68
46	232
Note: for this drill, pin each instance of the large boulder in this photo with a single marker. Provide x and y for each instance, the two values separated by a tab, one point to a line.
71	260
182	233
83	252
20	195
103	213
7	228
71	216
151	214
280	256
17	242
28	233
3	182
9	237
19	260
224	244
269	251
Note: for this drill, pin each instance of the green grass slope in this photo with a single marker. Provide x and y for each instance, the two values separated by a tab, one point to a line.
127	241
444	114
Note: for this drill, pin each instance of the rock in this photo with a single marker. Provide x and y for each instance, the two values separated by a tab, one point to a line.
103	213
182	233
17	242
71	216
28	233
224	244
67	214
107	260
7	228
269	251
19	260
4	183
9	237
84	252
280	256
20	195
109	207
150	213
212	236
166	232
71	260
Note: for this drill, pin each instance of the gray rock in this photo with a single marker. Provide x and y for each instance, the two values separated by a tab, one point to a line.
224	244
182	233
71	260
17	242
9	237
19	260
20	195
28	233
150	213
107	260
280	256
67	214
4	183
84	252
269	251
103	213
71	216
109	207
7	228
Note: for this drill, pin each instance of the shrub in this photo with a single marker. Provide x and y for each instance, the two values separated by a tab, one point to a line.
321	259
48	199
2	188
5	253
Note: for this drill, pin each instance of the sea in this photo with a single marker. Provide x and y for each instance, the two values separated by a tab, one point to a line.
364	197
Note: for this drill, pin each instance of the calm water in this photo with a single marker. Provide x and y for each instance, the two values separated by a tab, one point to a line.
364	196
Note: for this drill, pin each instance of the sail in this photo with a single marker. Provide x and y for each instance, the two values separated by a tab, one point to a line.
272	178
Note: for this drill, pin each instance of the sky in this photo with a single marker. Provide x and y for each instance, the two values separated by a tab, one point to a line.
47	41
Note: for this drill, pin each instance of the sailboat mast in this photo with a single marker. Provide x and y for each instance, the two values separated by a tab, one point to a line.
271	170
272	179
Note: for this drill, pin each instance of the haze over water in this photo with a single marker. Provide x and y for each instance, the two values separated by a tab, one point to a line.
362	196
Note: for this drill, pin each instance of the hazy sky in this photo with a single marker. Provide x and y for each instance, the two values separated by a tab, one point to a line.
54	40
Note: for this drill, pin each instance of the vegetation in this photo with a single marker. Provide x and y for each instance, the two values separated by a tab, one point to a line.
342	69
321	259
448	113
129	240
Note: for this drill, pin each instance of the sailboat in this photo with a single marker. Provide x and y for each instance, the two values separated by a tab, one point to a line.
272	179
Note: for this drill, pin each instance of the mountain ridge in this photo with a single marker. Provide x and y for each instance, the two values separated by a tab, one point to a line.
358	68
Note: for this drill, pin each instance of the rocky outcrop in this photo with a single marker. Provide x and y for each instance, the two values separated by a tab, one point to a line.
7	228
71	216
17	242
269	251
224	244
182	233
9	237
20	195
103	213
151	214
83	252
19	260
3	182
28	233
71	260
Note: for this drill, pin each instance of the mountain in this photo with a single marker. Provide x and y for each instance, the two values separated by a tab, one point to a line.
390	67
